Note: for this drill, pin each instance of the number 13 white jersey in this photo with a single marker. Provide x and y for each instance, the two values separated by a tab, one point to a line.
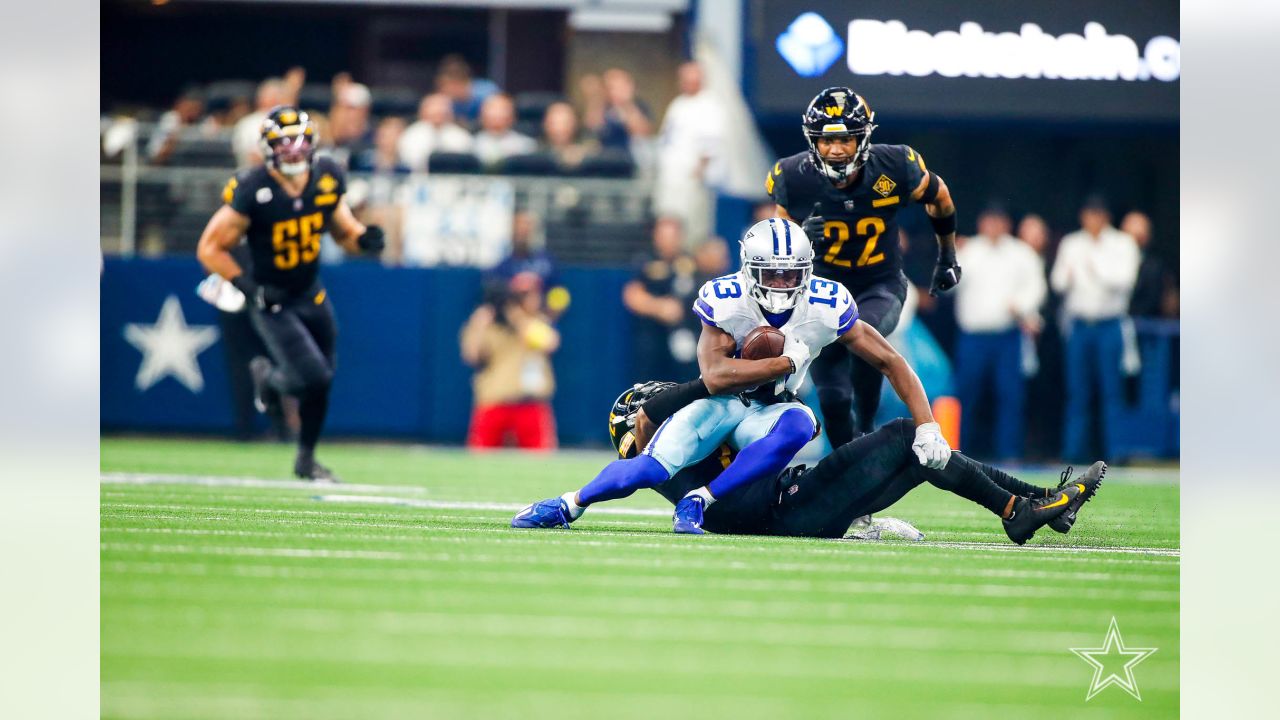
824	312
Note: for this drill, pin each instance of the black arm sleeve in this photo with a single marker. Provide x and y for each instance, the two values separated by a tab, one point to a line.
669	401
931	190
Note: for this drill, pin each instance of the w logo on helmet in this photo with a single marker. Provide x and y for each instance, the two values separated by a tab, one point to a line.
833	111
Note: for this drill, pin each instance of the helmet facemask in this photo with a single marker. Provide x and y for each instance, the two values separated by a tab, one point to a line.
842	172
288	141
291	154
777	284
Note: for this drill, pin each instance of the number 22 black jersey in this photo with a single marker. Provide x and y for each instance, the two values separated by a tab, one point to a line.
861	231
284	231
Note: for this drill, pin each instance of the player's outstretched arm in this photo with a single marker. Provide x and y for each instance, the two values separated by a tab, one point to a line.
867	343
724	374
929	446
220	235
353	235
940	208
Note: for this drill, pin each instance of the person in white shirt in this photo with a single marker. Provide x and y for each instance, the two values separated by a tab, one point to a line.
434	131
497	140
1095	271
998	302
248	129
689	148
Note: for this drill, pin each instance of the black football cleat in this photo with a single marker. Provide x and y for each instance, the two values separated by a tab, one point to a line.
306	468
1029	515
265	397
1092	480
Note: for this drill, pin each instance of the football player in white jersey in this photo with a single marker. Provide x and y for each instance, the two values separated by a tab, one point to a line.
751	404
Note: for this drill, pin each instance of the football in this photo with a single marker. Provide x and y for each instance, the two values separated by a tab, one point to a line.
765	341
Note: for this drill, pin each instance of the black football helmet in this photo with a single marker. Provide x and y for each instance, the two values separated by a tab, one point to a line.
622	416
839	112
288	140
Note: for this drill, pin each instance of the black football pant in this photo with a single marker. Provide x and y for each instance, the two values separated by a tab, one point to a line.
843	379
301	336
875	471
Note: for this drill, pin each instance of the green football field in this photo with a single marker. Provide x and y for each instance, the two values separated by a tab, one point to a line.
228	591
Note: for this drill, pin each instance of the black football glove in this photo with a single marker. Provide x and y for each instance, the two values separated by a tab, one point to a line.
946	274
813	226
373	240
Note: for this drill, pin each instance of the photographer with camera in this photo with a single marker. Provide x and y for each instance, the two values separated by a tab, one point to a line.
509	341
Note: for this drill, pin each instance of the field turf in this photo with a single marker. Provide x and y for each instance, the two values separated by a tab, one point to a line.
404	594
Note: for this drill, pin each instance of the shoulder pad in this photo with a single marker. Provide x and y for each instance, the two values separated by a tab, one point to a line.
719	299
832	303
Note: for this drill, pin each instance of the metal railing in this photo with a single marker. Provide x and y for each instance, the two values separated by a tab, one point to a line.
159	209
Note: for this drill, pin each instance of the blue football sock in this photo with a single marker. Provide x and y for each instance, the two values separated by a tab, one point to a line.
620	478
767	456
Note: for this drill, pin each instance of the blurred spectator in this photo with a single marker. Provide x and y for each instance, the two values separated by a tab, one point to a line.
244	138
1034	231
712	259
384	156
434	131
349	121
660	296
1154	292
560	135
373	195
509	341
291	85
453	79
613	112
1043	362
1095	271
997	310
497	139
689	147
185	113
527	256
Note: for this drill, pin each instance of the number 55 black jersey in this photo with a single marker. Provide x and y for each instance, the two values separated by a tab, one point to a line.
284	231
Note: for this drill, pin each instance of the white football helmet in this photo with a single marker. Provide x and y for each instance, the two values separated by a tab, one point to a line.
777	261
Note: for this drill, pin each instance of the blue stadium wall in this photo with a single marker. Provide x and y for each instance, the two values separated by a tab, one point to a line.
399	372
400	375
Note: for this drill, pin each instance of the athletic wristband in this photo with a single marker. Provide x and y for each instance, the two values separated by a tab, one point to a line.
943	226
667	402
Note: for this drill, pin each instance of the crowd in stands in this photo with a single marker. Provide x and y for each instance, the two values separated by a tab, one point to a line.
465	124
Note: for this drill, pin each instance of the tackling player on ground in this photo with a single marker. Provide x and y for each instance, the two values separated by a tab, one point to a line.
847	193
859	478
283	208
752	403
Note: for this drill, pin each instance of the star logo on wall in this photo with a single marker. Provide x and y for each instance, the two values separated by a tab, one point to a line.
170	347
1113	663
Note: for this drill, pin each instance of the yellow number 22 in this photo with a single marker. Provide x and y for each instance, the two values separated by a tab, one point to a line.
837	231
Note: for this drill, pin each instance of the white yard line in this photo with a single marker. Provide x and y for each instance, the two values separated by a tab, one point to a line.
118	478
356	499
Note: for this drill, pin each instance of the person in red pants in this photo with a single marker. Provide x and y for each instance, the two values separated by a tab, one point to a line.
509	341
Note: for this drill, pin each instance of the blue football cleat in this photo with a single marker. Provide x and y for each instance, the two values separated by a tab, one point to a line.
688	519
549	513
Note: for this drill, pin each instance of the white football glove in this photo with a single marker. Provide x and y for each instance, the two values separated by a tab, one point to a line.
221	294
930	447
799	354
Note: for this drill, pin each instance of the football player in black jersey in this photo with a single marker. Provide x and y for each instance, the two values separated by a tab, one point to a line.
862	477
846	193
283	208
